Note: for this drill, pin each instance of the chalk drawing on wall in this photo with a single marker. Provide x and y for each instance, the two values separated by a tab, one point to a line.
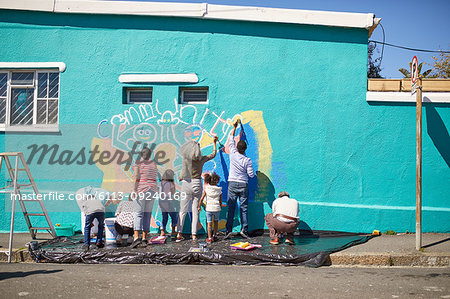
168	130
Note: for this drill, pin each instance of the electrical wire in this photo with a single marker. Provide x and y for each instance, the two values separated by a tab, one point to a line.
407	48
382	49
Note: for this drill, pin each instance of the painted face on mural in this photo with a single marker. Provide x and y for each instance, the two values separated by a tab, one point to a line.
145	133
168	119
193	132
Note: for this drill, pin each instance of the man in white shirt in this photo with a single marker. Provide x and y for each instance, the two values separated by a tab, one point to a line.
283	219
89	199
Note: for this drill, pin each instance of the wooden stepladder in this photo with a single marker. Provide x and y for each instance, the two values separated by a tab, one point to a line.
15	190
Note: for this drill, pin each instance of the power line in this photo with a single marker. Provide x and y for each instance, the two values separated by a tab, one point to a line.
407	48
382	49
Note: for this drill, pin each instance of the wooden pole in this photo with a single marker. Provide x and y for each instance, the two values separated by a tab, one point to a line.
419	165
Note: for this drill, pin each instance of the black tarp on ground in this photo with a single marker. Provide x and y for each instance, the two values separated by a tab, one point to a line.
312	249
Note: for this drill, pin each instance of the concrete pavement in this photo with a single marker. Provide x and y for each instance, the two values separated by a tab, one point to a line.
216	281
384	250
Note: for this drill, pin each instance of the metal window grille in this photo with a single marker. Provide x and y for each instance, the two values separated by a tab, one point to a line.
47	98
194	95
3	96
139	95
28	98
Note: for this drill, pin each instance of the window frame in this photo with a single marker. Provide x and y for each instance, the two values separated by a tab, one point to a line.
182	89
34	127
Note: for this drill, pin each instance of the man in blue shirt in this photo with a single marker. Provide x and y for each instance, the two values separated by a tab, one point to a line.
241	169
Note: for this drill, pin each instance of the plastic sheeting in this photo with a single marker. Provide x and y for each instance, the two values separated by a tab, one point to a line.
312	249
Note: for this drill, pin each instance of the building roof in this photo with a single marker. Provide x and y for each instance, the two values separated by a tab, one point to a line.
199	10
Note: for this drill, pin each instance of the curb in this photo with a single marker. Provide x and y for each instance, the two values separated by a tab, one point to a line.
336	259
18	256
391	259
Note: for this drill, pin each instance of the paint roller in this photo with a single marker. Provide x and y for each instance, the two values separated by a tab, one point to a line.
221	146
243	135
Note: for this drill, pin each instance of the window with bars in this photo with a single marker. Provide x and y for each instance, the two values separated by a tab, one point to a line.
193	95
139	95
29	98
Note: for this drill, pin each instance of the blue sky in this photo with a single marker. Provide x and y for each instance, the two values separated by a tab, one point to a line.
415	24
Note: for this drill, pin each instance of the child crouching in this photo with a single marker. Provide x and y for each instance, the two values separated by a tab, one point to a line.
213	196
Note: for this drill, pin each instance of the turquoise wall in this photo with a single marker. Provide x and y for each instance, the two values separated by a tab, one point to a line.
350	164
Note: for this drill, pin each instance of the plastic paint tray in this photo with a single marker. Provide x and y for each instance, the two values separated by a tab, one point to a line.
239	246
66	230
157	240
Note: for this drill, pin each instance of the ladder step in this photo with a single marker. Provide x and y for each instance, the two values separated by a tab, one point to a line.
19	186
24	185
35	214
9	186
39	228
10	153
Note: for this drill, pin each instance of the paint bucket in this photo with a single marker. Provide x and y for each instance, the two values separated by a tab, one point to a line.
110	231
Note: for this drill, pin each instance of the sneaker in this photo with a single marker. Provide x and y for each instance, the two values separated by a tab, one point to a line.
289	241
244	235
100	245
274	242
136	243
85	248
179	239
228	235
194	237
209	241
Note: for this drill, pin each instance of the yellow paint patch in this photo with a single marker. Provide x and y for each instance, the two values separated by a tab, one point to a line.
206	140
114	177
256	121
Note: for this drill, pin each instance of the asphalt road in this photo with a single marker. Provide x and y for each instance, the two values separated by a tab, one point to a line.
195	281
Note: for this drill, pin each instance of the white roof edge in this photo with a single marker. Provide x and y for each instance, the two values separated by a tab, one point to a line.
61	66
295	16
41	5
197	10
406	97
158	78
